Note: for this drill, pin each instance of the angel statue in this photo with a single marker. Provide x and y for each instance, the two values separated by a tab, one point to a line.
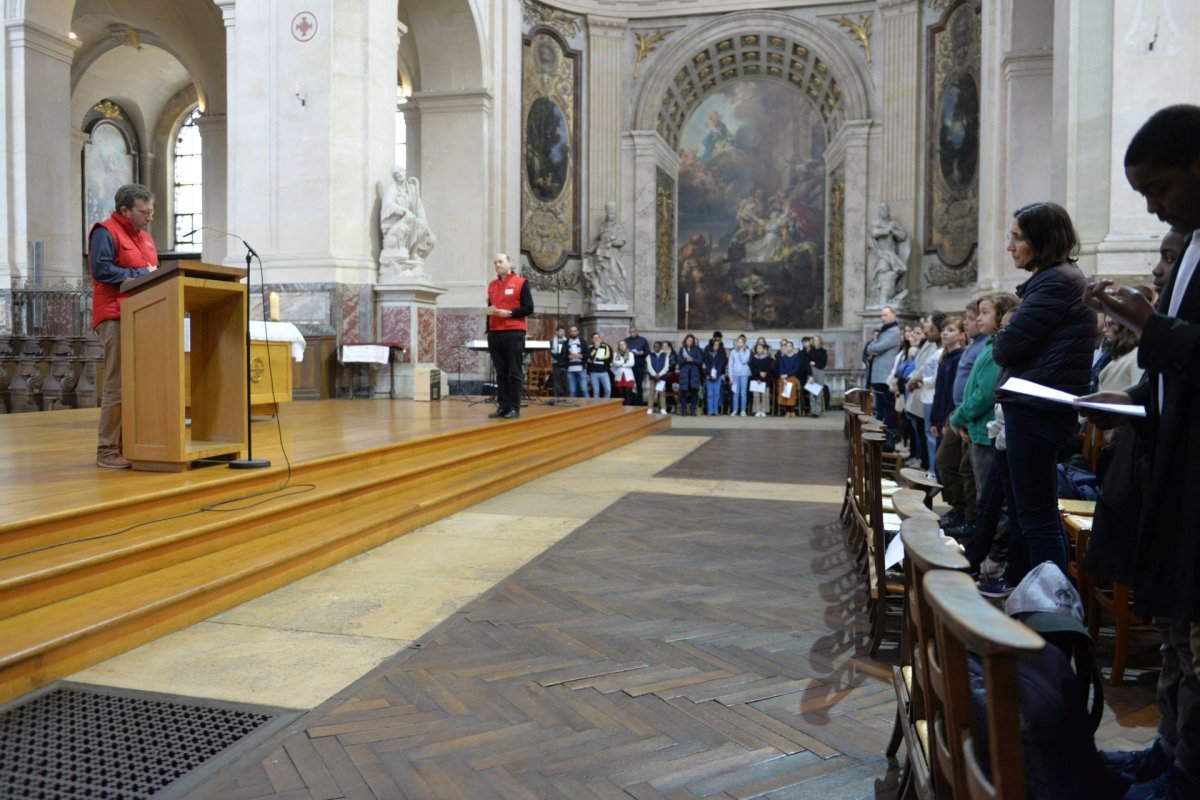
407	239
889	247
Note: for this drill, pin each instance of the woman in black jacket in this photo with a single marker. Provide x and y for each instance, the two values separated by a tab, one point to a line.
1049	340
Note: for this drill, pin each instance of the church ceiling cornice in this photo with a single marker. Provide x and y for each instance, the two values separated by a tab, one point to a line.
647	9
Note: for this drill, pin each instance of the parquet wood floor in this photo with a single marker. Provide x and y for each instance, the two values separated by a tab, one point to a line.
672	647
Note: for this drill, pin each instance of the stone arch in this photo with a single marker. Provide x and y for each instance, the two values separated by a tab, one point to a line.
449	42
88	56
758	44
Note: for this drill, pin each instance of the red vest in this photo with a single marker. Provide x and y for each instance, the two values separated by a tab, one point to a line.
135	250
506	294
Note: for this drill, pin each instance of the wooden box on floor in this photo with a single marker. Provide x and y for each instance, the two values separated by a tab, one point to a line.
155	435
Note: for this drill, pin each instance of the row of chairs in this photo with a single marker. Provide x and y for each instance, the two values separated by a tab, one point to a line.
934	610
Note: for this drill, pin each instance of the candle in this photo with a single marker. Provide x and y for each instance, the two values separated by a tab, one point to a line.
687	302
274	300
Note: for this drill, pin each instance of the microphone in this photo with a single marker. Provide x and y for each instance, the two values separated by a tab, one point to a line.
246	244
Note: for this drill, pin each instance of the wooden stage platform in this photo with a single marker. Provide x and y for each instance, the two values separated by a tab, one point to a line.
94	562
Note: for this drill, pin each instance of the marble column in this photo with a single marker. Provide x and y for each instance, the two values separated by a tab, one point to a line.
455	141
305	146
1154	64
850	150
606	74
37	106
214	158
902	94
647	152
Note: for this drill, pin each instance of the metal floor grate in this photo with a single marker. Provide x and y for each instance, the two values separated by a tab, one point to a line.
81	742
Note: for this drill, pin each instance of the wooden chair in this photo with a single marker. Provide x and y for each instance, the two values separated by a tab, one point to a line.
885	590
537	381
1099	597
925	550
855	513
964	620
918	479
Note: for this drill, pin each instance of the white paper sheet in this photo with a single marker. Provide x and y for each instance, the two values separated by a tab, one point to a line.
660	386
1022	386
815	389
758	387
786	391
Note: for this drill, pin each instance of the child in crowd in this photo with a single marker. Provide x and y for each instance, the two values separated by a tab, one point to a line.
715	363
622	370
739	375
762	366
658	366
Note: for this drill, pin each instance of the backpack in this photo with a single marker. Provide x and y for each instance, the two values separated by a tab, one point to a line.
1058	723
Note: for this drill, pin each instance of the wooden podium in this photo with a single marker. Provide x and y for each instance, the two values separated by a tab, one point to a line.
154	434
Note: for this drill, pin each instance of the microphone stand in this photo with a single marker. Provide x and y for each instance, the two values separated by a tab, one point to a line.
250	462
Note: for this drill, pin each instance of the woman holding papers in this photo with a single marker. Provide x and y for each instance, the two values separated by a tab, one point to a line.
791	377
762	366
1050	340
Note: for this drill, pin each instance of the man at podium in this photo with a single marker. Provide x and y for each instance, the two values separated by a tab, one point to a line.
119	248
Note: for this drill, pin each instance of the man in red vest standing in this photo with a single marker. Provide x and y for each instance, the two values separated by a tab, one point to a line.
509	303
119	248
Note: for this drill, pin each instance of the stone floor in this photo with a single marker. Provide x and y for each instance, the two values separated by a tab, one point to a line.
676	618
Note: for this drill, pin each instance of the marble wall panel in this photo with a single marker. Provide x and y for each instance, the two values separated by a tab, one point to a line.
454	329
395	322
426	350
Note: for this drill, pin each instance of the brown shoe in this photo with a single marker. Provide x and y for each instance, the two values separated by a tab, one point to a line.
113	461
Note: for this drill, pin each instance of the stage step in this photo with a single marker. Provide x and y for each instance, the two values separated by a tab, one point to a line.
77	588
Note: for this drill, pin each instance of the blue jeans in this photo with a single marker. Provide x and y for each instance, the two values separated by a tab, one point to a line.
885	405
712	395
578	382
601	381
1034	437
920	443
931	441
740	384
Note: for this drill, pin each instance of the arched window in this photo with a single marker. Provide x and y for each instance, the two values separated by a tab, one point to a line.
401	128
188	205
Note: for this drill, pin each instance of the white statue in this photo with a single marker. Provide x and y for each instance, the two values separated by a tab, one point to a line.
888	258
603	269
407	239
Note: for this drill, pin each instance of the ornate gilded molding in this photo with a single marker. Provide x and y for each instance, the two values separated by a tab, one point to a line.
564	280
836	250
938	274
860	30
646	42
538	14
550	150
109	110
952	151
664	250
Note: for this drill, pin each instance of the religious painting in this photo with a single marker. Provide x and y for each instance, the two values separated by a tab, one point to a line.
664	251
751	210
550	150
109	161
952	162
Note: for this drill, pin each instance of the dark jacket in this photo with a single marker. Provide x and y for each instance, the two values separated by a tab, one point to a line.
718	360
1168	561
818	357
943	396
759	365
1051	337
795	365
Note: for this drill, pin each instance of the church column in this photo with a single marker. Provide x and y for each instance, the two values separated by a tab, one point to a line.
456	129
1153	60
849	151
606	71
214	157
901	93
38	107
649	154
307	147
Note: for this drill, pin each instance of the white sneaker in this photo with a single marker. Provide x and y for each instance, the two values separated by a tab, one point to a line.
742	414
649	410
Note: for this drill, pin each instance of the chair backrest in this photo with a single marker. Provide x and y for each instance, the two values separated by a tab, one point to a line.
872	449
963	620
924	551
